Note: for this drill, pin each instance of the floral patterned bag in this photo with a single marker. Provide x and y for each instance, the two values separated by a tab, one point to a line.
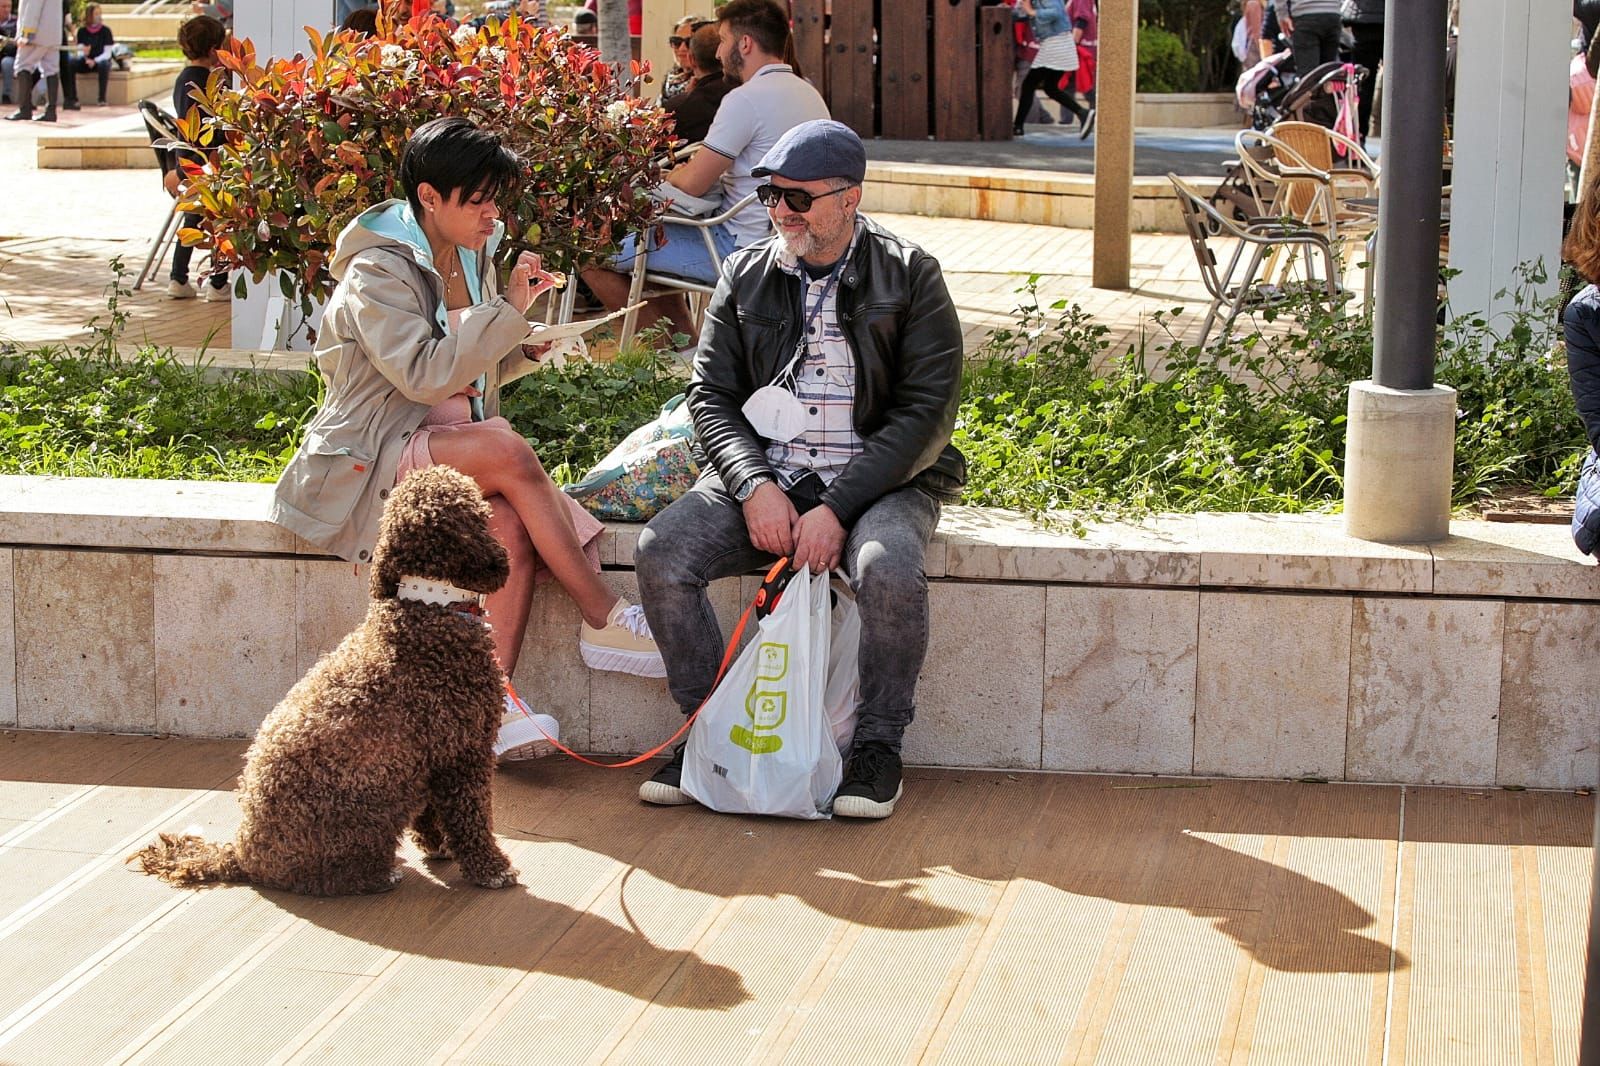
653	466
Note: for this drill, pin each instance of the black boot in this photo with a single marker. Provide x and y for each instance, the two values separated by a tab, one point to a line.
52	88
23	93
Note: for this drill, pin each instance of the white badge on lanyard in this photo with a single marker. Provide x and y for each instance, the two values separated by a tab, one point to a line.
774	411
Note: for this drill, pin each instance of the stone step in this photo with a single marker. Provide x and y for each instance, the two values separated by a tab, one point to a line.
1227	645
154	26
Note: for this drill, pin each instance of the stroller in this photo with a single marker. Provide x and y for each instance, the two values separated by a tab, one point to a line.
1260	89
1328	96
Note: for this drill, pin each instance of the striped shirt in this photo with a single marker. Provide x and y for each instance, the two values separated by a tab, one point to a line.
1057	53
824	383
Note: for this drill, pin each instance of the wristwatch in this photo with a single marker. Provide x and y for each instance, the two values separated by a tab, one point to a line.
748	489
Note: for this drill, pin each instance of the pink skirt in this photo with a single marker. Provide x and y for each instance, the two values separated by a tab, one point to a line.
455	416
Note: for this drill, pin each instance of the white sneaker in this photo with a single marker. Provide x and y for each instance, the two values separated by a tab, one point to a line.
624	645
524	734
180	290
210	293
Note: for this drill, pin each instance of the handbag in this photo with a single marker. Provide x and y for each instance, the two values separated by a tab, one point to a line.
762	743
651	467
1586	507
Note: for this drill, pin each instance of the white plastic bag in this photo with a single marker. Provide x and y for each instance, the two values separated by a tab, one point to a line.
763	743
843	689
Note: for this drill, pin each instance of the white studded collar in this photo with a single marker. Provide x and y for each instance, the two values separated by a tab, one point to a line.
429	590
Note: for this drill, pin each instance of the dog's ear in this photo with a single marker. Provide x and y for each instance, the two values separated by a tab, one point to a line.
436	525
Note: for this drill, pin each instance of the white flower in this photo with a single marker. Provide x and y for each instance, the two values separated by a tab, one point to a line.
617	110
497	54
463	34
393	55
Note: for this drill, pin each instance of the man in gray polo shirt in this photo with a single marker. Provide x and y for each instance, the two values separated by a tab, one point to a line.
769	101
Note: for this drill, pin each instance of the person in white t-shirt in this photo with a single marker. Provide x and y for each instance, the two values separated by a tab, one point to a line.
769	101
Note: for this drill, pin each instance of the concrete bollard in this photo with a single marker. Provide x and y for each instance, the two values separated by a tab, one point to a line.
1399	457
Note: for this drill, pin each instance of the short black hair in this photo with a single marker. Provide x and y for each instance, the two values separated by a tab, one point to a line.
362	20
200	36
454	156
764	20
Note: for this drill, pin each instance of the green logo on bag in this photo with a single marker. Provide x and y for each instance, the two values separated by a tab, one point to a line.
766	707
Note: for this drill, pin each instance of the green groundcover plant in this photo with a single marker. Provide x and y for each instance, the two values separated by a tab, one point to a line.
301	145
1256	424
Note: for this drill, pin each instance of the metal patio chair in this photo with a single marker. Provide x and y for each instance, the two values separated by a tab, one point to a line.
1239	288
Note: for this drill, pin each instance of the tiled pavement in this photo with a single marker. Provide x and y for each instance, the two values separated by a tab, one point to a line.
51	285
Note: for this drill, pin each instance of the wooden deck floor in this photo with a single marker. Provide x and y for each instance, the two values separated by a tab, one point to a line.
997	918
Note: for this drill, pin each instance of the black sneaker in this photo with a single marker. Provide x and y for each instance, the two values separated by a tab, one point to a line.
871	782
662	787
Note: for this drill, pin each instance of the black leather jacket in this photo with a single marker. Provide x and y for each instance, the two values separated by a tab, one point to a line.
899	321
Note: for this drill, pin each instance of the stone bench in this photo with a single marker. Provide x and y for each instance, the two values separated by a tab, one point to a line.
1233	645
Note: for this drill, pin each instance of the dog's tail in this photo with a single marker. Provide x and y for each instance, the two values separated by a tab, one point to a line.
189	860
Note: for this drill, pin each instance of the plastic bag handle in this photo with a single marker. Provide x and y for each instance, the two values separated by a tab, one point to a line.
763	603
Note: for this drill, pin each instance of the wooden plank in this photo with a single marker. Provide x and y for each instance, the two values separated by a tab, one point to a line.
903	99
806	17
955	70
850	74
997	60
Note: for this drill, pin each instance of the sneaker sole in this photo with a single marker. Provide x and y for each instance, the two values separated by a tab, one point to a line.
663	795
637	663
523	740
862	807
533	749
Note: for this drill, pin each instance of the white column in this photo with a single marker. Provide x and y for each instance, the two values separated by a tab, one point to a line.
1511	111
276	28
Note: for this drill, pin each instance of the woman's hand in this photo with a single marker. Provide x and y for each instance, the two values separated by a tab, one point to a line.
529	281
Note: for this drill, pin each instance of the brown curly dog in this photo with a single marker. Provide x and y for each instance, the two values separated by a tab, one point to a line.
392	728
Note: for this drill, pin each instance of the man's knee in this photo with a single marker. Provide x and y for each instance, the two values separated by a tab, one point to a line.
885	571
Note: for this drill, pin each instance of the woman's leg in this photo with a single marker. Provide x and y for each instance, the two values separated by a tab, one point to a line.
508	608
502	464
1031	83
1065	97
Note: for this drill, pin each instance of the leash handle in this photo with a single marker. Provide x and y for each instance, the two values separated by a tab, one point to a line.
762	604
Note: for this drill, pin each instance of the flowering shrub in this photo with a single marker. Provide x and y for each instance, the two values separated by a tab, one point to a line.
300	146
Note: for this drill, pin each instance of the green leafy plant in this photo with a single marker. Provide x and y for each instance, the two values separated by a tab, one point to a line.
1254	424
300	146
1165	63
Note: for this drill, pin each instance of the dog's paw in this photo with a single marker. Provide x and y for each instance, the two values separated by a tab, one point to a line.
395	875
505	879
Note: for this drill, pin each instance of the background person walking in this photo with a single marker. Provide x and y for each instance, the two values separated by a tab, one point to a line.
1057	57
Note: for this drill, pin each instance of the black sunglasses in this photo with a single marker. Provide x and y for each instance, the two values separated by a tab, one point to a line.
694	27
797	199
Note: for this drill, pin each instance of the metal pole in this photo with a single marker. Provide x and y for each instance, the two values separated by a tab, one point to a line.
1408	207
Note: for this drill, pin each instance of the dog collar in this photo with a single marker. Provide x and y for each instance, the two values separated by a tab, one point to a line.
441	593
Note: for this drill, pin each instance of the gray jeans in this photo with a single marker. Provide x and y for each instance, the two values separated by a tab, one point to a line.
702	537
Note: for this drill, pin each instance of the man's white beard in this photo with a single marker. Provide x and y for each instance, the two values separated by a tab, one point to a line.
799	246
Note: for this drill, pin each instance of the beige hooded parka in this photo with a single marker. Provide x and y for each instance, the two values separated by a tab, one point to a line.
386	356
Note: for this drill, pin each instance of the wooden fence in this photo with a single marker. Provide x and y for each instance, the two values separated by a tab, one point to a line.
910	69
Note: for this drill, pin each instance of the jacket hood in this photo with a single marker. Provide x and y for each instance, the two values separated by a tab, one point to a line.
392	224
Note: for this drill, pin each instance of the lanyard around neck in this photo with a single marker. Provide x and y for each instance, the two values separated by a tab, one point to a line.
811	319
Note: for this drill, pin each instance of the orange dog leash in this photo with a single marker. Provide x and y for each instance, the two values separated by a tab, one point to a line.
762	604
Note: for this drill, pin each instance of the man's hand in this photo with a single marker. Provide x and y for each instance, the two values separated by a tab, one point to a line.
770	518
818	540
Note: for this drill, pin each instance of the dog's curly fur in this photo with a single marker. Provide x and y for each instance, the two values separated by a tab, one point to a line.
394	727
